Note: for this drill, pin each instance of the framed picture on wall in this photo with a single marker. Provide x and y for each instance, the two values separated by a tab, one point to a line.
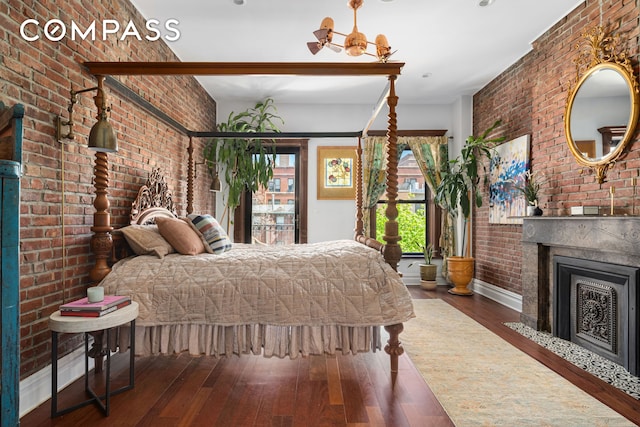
509	164
336	173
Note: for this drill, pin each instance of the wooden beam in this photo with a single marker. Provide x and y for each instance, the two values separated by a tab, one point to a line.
245	68
418	132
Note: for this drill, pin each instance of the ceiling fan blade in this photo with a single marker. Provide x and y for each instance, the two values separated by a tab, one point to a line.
333	47
314	47
322	34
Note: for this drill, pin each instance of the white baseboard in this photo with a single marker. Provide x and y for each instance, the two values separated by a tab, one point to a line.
36	389
500	295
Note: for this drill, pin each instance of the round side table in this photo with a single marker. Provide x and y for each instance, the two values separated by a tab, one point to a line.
78	324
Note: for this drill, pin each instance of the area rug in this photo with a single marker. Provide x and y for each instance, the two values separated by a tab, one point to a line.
599	366
482	380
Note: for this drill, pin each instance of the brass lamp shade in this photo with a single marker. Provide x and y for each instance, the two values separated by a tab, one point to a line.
215	184
102	137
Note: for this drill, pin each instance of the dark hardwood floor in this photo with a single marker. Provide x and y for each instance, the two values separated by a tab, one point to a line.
313	391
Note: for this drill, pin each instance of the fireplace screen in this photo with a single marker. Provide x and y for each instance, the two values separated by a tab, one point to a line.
595	306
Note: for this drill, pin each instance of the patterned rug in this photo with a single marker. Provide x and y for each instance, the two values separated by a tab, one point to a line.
482	380
599	366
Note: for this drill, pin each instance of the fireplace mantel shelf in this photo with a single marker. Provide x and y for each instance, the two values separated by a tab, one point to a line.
603	233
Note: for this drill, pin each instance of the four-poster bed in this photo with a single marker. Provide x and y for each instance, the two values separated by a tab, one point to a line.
102	242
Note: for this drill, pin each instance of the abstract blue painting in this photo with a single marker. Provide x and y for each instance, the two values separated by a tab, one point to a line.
509	163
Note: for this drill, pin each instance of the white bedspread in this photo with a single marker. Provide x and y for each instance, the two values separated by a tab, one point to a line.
338	283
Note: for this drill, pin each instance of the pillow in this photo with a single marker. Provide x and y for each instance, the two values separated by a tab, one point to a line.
213	235
146	240
180	235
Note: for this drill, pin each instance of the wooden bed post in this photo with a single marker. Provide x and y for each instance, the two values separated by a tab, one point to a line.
394	348
392	250
190	173
101	241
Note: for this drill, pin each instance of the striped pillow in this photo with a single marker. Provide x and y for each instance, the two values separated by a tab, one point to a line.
213	235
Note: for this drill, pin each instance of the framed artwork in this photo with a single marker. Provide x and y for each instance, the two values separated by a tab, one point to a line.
336	174
509	164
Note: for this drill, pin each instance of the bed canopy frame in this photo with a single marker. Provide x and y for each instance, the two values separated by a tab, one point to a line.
102	242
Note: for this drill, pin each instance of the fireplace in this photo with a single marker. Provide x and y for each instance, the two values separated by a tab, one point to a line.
596	264
595	306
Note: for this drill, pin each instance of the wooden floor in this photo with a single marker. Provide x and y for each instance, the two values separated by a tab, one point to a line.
313	391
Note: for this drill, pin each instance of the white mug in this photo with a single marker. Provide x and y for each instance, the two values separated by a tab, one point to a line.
95	294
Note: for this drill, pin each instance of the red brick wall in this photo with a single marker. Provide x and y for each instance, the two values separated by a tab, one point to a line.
39	74
530	98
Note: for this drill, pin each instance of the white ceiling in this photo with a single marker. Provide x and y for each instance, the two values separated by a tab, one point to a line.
460	45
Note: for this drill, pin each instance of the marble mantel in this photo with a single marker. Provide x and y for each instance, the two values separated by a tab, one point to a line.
611	239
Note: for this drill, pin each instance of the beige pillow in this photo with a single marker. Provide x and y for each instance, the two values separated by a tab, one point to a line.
146	240
180	235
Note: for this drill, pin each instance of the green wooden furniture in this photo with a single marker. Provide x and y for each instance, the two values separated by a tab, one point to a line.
10	172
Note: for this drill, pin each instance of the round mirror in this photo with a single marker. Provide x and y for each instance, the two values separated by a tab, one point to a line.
601	115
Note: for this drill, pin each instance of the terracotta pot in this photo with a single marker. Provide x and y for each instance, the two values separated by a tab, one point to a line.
460	273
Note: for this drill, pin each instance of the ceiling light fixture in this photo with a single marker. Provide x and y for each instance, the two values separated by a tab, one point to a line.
239	2
484	3
355	43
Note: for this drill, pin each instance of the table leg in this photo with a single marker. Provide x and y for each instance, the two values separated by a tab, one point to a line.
54	373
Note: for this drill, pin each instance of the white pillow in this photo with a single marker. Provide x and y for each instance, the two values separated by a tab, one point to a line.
213	235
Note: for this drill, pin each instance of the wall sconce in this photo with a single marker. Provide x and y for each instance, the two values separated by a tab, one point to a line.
101	137
213	172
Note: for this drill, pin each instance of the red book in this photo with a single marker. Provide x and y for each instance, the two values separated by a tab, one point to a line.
84	305
89	313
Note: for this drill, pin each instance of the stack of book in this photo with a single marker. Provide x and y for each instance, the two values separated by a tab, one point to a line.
83	307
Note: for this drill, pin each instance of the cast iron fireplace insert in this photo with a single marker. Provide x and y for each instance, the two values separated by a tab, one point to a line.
595	305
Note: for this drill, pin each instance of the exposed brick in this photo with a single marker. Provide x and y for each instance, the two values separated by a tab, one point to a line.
530	97
40	75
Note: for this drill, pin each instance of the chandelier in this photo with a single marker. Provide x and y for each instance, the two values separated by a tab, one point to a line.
355	43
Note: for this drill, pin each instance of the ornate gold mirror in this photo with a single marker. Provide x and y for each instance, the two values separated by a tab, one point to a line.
602	106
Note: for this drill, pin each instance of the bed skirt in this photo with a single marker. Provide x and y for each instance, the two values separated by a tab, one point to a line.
268	340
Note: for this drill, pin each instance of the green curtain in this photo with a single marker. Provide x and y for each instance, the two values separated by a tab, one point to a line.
432	155
374	168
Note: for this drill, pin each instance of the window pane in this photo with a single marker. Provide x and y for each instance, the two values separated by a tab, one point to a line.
412	225
273	210
410	180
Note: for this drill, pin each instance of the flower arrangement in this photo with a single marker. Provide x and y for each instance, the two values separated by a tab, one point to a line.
531	187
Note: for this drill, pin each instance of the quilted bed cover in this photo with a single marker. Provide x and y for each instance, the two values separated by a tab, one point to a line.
339	283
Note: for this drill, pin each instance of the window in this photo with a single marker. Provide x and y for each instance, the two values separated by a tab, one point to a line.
412	207
273	216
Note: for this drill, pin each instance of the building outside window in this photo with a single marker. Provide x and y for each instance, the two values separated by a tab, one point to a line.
413	196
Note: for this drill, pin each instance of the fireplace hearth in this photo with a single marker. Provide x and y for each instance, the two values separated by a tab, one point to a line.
597	260
595	306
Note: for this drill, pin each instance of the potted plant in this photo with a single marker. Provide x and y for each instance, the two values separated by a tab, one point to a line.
247	163
459	187
428	271
530	190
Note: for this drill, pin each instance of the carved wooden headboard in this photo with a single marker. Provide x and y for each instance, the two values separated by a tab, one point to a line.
154	199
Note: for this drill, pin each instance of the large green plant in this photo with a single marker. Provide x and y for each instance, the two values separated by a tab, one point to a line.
460	183
247	162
